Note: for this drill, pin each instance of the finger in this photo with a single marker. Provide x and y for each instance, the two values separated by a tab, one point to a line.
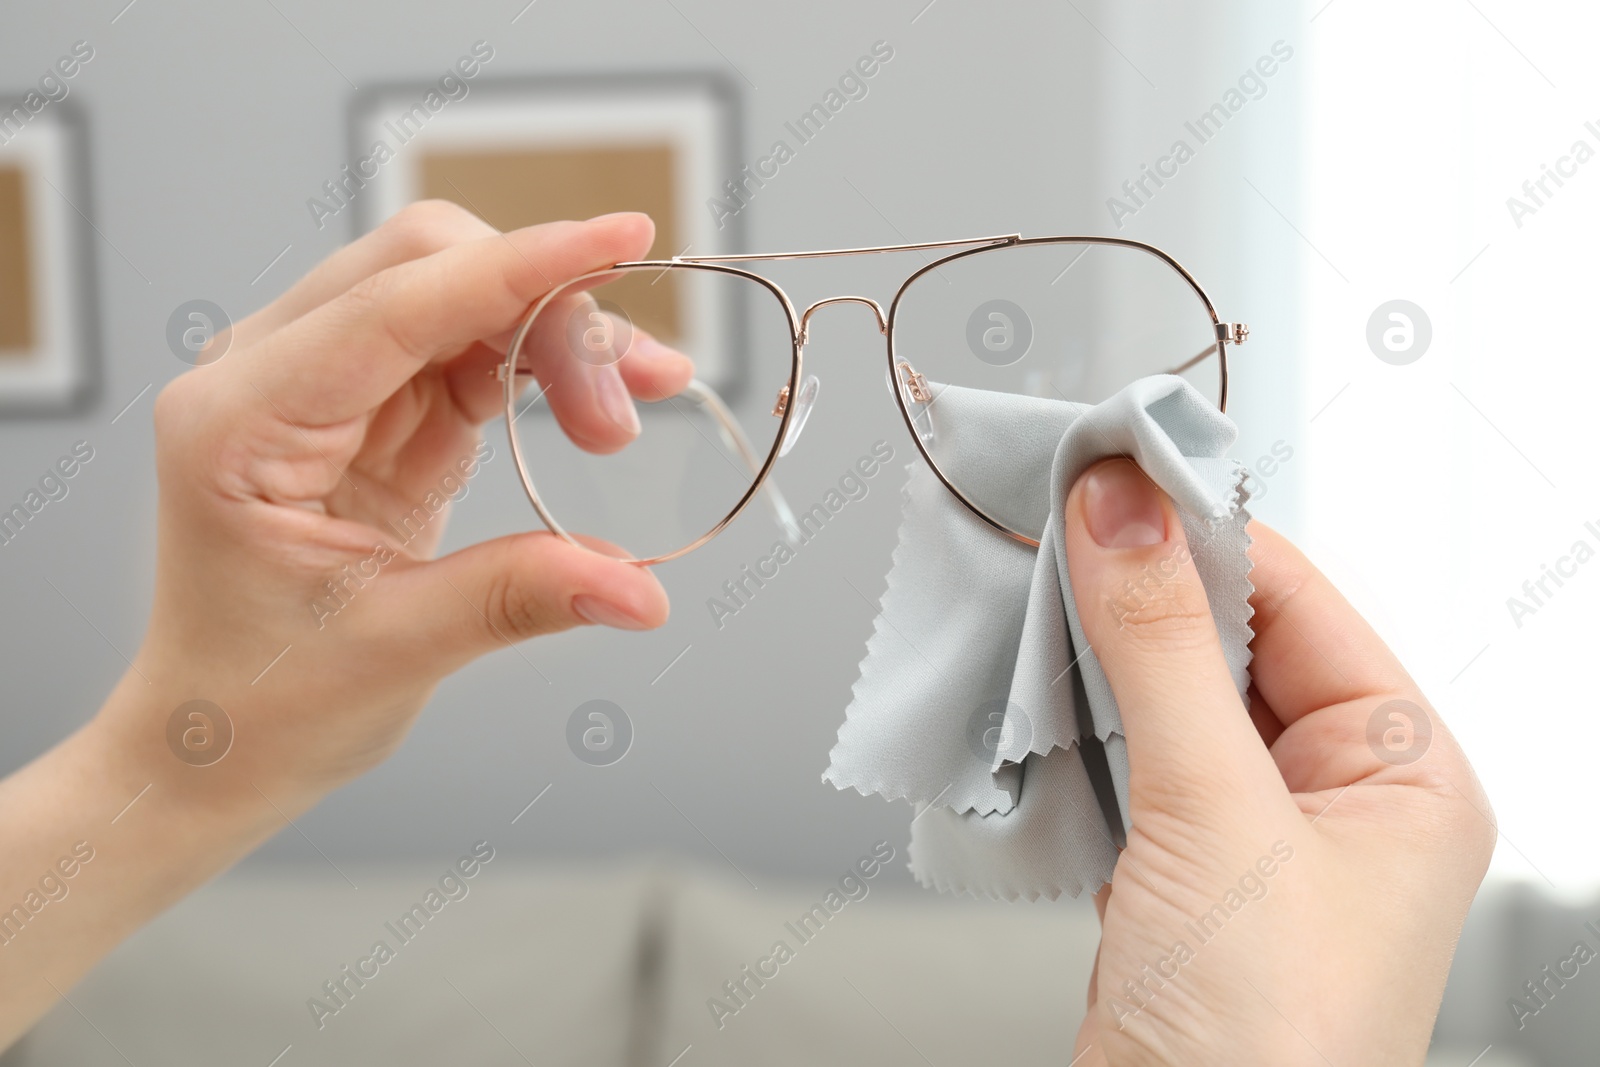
1102	900
344	358
650	371
571	351
1335	703
589	364
1312	650
474	382
653	371
1092	993
1149	628
510	589
419	229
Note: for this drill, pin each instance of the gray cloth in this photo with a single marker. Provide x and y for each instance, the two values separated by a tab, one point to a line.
979	699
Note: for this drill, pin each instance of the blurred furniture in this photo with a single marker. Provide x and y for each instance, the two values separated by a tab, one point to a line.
610	968
613	967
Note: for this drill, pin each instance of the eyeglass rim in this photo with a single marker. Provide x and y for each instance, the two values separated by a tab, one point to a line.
721	264
899	387
514	355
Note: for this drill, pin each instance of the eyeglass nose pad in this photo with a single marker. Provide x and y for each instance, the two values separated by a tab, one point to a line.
802	411
922	419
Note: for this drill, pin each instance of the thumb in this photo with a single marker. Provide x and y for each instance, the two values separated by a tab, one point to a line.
1148	622
507	590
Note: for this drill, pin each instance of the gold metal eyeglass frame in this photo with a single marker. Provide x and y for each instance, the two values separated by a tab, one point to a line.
906	383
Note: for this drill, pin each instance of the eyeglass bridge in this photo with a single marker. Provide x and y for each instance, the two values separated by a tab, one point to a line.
877	309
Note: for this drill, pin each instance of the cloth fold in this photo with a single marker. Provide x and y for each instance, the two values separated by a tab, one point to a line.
979	699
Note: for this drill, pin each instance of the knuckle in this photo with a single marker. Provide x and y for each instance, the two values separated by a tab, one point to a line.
1468	813
1480	826
373	300
1172	613
1486	835
515	611
1459	826
424	227
367	295
196	441
174	412
169	406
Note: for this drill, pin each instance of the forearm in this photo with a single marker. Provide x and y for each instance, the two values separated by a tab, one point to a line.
100	834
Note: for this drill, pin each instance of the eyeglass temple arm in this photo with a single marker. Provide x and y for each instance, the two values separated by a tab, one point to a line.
734	437
1234	333
1204	353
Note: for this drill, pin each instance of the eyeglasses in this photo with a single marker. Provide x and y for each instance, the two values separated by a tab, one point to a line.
1045	319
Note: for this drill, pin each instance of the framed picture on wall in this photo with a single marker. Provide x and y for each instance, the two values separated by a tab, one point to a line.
47	358
524	151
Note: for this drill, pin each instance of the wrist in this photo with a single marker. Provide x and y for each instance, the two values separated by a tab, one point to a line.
104	832
180	760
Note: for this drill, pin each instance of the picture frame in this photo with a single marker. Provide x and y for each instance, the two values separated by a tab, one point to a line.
523	150
49	344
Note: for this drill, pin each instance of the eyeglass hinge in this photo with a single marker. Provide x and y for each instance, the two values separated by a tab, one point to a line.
1233	333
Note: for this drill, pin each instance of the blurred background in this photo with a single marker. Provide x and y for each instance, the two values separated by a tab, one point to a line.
1397	162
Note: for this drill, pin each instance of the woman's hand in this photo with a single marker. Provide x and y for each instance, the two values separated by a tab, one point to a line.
305	476
1298	871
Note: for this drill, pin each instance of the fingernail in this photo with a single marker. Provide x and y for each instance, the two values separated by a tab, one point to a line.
614	399
601	613
1122	507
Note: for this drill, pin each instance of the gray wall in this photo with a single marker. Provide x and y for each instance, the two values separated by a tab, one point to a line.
210	124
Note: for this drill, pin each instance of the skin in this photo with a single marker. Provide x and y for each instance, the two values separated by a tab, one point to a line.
1343	959
346	401
336	408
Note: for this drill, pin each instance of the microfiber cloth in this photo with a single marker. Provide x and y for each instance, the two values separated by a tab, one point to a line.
979	699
